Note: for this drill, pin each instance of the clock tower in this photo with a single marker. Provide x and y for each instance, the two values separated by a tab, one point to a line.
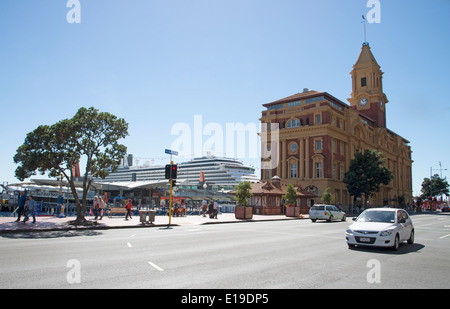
367	88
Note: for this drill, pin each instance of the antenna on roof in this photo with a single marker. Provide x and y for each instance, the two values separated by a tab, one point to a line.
364	22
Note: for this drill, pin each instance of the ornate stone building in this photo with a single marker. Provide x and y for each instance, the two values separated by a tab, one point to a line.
319	134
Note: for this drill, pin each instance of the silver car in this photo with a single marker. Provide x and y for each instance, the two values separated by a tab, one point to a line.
326	212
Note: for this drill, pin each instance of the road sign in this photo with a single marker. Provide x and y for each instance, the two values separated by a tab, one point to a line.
171	152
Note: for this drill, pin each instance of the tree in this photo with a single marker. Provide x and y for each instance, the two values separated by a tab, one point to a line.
366	174
57	148
291	195
327	197
243	193
434	187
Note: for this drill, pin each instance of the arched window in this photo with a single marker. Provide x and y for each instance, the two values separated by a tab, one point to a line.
293	123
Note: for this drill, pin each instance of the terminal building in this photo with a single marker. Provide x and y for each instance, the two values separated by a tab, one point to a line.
319	135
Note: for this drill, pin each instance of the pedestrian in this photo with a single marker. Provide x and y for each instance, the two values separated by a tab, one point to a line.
216	209
101	205
203	207
30	209
95	207
20	209
128	207
211	209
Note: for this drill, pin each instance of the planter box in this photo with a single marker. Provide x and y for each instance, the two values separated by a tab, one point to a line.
271	211
242	212
292	211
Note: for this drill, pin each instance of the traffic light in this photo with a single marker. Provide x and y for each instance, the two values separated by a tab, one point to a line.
174	171
171	171
168	168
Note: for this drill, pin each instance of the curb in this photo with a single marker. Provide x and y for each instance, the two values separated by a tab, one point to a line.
143	225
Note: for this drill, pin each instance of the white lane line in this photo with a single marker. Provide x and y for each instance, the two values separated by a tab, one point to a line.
129	245
444	236
156	266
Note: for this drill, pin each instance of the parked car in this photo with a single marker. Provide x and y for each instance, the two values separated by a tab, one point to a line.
382	227
445	209
326	212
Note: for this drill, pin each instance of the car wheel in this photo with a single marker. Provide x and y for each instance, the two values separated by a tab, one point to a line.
330	218
396	243
411	238
344	218
313	220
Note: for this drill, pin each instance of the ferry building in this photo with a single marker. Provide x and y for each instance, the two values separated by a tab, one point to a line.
319	135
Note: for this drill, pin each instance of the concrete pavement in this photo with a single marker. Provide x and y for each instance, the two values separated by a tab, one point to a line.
52	223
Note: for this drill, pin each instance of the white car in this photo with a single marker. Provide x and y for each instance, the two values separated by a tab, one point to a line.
381	227
326	212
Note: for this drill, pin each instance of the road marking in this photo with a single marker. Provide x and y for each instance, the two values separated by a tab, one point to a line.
129	245
156	266
444	236
194	230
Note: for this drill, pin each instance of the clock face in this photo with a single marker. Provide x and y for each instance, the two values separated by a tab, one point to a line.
363	101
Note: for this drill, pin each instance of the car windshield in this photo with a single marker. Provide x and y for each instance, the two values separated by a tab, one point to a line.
318	208
377	216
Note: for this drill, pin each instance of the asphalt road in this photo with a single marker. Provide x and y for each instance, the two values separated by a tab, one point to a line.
259	255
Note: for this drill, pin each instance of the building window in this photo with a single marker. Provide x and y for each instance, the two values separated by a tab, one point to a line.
293	123
319	144
363	82
293	170
294	103
293	147
268	174
341	175
318	120
311	100
319	170
277	106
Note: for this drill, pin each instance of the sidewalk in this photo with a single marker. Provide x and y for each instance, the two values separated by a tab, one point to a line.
49	223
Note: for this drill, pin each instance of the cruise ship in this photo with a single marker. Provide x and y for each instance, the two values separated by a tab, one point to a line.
218	172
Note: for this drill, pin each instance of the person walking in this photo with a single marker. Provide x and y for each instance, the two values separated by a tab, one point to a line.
211	209
101	206
128	207
30	209
95	207
216	209
21	208
203	208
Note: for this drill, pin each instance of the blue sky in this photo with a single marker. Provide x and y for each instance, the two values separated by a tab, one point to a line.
157	63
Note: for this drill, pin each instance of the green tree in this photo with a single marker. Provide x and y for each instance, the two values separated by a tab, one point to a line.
291	195
327	197
57	148
434	186
366	174
243	193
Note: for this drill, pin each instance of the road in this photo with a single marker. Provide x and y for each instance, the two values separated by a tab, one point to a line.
258	255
